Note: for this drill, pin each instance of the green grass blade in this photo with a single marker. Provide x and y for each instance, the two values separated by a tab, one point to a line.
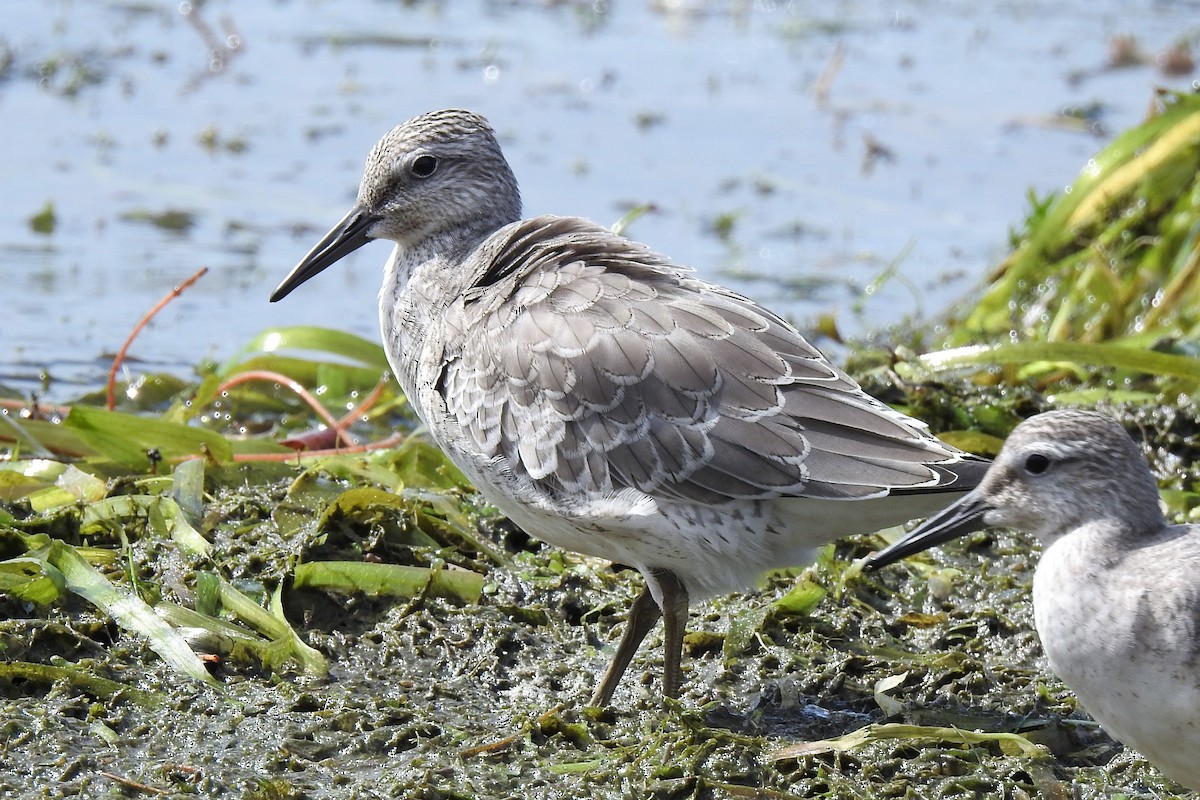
393	580
162	517
187	488
93	685
801	600
128	610
307	337
310	658
126	438
273	624
1010	743
31	579
1118	356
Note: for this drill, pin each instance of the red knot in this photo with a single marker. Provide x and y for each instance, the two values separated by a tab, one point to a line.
1116	593
610	402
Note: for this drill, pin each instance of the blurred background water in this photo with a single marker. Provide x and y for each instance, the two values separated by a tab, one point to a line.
857	159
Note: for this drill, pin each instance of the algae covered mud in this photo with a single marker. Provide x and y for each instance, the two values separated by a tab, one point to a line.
470	680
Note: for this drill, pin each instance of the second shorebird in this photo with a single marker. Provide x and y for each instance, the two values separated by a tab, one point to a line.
1116	594
608	401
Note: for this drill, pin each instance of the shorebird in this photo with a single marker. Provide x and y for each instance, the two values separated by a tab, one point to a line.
611	403
1116	594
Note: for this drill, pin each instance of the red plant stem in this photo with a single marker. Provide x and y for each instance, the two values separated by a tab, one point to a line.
315	440
382	444
367	402
33	410
110	391
295	386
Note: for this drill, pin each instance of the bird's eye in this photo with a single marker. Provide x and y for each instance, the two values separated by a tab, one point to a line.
1036	464
424	166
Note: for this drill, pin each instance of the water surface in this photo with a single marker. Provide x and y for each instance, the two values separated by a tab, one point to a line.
253	121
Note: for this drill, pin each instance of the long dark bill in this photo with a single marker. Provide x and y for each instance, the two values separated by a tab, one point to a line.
347	236
953	521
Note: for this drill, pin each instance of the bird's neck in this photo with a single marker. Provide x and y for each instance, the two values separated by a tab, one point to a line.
1102	541
420	280
435	257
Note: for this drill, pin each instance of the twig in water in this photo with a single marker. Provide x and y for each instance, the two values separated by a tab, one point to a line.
141	787
825	81
274	377
110	393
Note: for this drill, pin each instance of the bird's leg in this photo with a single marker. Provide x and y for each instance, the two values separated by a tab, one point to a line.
642	615
645	611
675	614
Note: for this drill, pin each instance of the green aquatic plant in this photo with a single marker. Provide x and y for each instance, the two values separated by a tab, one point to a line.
1115	255
1098	302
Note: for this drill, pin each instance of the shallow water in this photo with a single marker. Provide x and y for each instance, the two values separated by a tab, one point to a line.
709	111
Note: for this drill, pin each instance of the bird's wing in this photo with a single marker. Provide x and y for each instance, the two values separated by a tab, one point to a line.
591	364
1165	612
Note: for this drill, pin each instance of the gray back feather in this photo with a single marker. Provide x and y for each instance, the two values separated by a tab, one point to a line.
593	365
